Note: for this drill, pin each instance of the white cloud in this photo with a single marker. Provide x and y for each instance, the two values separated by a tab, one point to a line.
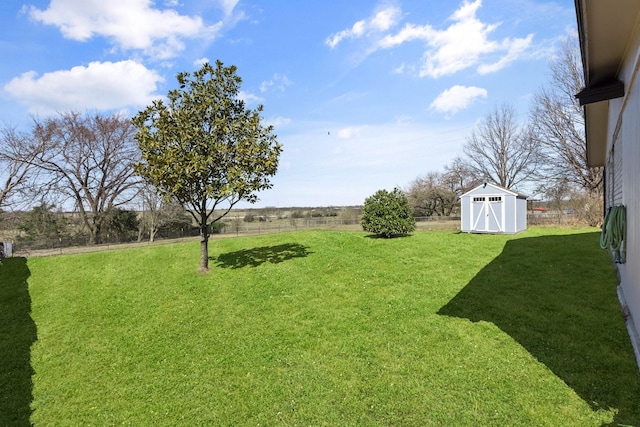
356	31
200	62
464	43
382	20
349	132
457	98
228	6
278	81
249	98
277	122
99	86
385	18
128	24
515	49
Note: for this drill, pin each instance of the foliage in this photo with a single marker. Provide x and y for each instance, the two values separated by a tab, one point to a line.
121	223
43	223
88	159
500	151
174	217
216	227
388	214
204	148
321	328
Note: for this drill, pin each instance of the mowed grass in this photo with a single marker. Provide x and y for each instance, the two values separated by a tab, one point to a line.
321	328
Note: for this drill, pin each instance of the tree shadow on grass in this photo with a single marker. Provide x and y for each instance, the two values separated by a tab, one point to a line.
556	296
17	334
257	256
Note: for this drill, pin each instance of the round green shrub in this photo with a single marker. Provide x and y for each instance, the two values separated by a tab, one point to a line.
388	214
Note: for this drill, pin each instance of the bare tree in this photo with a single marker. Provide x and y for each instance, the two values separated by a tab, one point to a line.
459	177
501	150
557	121
89	159
16	155
157	212
431	194
421	194
152	203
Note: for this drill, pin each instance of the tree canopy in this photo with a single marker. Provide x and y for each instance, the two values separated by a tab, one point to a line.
16	163
501	151
204	148
388	214
88	159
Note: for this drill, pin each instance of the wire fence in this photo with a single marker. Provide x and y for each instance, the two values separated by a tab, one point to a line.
237	227
553	219
229	228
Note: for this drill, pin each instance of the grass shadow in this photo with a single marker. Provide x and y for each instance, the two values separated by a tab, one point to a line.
556	296
381	237
17	334
265	254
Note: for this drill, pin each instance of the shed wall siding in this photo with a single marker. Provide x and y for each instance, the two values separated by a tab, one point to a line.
465	220
521	215
510	214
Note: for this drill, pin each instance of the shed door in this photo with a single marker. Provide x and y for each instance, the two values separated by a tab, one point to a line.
487	214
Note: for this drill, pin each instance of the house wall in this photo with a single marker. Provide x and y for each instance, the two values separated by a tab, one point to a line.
623	175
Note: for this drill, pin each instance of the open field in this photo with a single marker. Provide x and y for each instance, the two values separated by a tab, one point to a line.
320	328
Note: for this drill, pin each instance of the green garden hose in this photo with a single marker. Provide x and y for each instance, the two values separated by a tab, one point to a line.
614	231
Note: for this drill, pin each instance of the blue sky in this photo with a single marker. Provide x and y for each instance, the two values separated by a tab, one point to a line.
363	95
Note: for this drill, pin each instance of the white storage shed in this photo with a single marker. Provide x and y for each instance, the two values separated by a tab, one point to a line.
490	208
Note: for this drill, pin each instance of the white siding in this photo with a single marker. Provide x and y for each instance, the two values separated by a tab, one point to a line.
613	192
624	143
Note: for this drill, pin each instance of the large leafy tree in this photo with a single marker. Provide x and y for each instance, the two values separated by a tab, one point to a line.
205	149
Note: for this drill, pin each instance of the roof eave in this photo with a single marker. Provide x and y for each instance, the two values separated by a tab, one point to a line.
604	31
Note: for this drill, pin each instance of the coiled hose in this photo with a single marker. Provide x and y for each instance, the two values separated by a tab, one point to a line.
614	231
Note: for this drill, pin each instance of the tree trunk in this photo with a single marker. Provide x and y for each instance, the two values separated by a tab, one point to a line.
94	237
204	248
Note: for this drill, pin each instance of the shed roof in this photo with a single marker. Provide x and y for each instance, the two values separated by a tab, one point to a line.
498	188
604	30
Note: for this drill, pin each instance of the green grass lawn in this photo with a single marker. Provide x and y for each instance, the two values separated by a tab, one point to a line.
320	328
